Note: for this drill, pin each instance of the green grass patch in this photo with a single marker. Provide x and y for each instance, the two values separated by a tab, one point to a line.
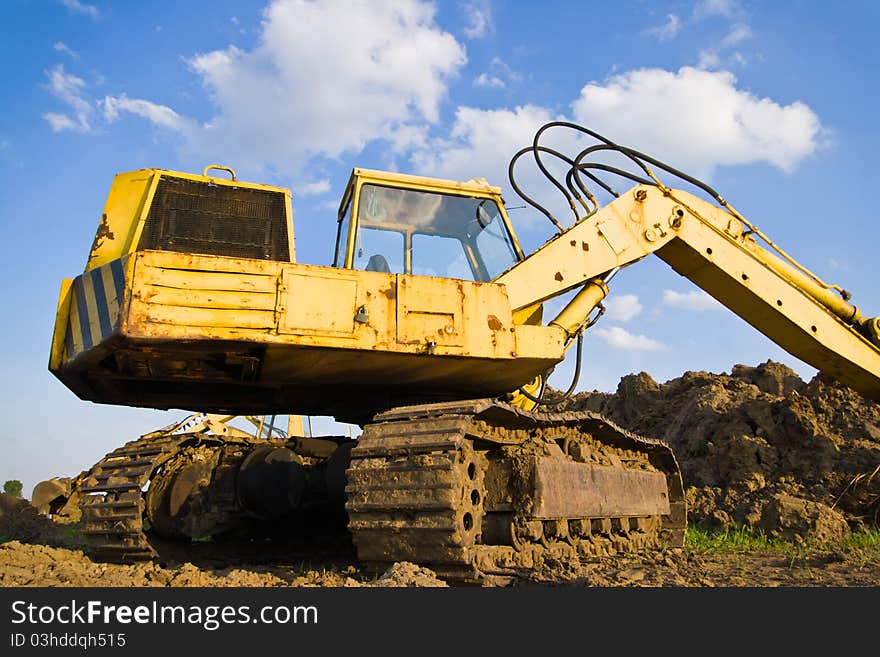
869	538
701	539
743	539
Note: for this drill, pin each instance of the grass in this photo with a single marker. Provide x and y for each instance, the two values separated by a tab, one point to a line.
865	539
703	540
861	544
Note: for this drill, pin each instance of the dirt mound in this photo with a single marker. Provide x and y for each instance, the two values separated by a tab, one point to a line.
23	564
760	447
20	520
406	574
48	553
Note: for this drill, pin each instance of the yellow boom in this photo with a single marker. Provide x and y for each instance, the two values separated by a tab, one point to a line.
709	246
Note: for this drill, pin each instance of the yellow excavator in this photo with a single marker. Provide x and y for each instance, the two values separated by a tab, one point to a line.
429	332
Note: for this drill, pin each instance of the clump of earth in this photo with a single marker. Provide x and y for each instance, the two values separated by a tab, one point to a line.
45	552
760	448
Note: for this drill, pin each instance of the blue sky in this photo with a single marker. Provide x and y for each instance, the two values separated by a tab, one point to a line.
773	103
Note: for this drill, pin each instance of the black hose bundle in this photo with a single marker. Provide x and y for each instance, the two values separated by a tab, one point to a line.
576	192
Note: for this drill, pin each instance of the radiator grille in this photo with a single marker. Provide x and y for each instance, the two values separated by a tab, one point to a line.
188	216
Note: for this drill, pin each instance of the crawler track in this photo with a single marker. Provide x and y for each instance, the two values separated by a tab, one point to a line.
481	488
113	501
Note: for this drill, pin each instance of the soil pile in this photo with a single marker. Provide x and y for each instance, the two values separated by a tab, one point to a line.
760	447
23	564
20	520
757	447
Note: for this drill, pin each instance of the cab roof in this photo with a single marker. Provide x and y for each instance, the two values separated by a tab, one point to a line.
477	186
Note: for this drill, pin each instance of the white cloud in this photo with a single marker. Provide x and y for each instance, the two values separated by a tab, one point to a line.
738	33
481	143
698	120
237	24
708	59
78	7
695	120
312	188
60	46
739	59
479	17
724	8
619	338
697	300
490	81
622	308
325	79
668	30
61	122
160	115
405	137
498	75
70	90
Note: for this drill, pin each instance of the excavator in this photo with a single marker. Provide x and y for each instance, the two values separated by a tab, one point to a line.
429	332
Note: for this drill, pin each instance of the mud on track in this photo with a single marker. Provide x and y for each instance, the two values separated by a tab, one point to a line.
758	447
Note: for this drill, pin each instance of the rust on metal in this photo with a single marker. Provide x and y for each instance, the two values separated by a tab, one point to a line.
480	488
103	233
567	489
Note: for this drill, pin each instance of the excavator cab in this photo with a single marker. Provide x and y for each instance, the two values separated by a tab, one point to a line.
413	225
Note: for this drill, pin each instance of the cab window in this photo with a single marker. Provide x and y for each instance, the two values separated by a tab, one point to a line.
431	234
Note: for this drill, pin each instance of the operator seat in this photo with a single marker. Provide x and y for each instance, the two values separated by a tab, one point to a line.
378	262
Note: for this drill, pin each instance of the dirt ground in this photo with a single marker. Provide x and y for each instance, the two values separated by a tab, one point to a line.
761	448
758	448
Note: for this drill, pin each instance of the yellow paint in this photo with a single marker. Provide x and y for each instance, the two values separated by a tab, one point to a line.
533	314
194	279
62	316
288	334
318	302
218	299
517	398
430	310
541	342
295	426
219	167
74	327
211	319
693	236
94	321
316	306
136	229
571	318
125	203
110	293
128	205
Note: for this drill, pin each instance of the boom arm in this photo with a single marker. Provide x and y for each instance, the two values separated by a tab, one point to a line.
709	246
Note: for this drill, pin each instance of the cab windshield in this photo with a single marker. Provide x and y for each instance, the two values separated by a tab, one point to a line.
407	231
